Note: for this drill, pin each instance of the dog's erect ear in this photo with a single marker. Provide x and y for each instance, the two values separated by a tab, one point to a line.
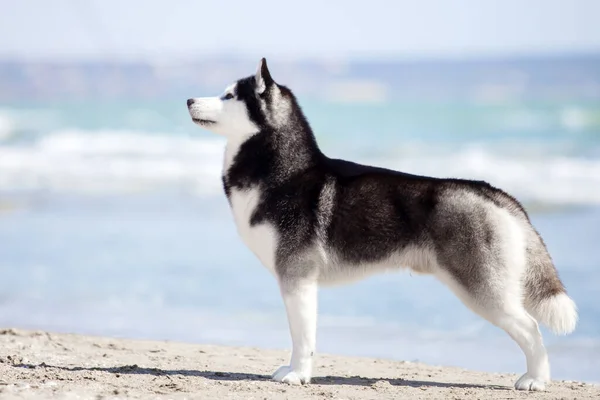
263	77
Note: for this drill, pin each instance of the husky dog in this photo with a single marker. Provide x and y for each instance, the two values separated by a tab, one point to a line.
313	220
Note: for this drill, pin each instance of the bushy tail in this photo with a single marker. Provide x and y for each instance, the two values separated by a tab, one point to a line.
545	296
558	312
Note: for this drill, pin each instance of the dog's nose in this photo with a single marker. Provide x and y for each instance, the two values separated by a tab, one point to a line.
190	102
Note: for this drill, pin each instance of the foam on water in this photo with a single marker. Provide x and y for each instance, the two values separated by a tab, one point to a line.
546	179
111	161
77	160
6	126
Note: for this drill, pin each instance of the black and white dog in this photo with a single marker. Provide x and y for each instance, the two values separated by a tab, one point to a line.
313	220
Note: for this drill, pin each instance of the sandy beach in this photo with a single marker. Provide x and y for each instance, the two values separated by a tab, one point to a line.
37	364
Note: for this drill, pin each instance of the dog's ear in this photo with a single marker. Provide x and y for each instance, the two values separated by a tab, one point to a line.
263	77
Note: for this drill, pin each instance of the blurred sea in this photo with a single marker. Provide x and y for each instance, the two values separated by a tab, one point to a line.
113	222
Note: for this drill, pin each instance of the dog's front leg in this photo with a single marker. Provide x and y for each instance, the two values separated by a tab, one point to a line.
300	299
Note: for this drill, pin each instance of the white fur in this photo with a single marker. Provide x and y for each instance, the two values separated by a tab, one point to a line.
229	117
280	109
559	313
260	82
301	307
500	300
261	239
418	259
231	149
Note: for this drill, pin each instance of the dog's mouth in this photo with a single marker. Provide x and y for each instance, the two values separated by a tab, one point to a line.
203	121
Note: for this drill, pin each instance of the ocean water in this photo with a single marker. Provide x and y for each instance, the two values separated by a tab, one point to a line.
113	222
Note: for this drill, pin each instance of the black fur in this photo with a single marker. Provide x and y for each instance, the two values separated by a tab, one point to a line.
331	219
377	210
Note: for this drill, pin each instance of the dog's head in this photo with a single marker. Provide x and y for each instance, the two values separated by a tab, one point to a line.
245	107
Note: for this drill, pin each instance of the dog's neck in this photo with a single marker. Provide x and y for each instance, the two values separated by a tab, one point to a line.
294	142
272	154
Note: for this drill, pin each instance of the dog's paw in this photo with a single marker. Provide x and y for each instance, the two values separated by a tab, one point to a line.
527	382
286	374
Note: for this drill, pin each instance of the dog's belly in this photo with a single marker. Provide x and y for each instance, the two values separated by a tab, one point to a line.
261	239
420	260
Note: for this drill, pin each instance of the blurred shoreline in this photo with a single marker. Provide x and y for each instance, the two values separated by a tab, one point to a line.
492	80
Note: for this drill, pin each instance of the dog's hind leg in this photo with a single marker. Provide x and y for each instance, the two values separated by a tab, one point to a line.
300	299
524	330
505	310
487	275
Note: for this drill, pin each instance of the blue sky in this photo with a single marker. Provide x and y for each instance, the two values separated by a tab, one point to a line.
81	29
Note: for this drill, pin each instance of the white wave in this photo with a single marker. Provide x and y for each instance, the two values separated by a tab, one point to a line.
574	118
541	178
112	161
14	121
117	161
7	125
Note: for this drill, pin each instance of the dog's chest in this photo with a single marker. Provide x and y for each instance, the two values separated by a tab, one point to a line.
261	238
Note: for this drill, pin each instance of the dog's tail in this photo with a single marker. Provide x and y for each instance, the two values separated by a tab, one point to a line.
546	298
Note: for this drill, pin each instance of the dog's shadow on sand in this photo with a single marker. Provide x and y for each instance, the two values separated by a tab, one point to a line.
239	376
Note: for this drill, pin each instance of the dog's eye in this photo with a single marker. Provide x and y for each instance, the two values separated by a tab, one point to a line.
228	96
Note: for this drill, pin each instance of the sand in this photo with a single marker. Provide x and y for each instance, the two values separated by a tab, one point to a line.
65	366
